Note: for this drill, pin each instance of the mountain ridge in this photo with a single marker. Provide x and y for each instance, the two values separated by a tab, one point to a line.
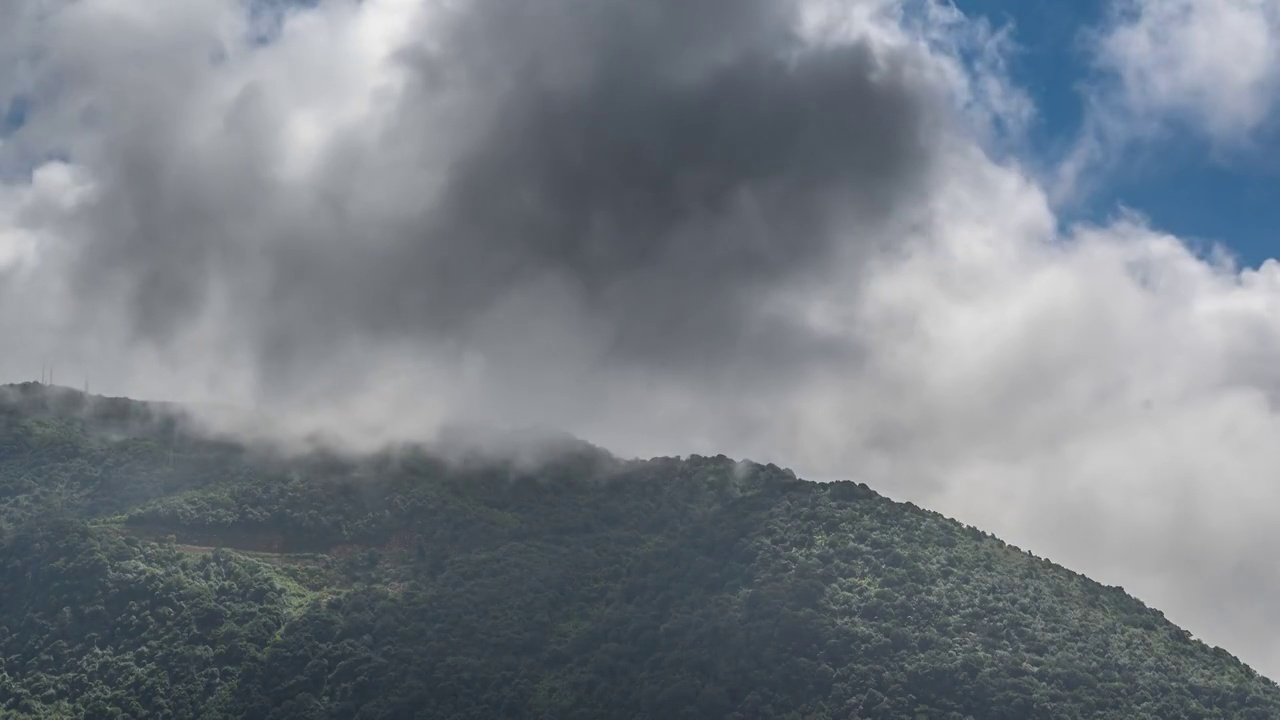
409	585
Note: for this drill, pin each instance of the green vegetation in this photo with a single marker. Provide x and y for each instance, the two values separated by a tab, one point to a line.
404	586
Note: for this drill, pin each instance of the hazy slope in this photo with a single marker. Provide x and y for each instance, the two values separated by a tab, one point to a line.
581	586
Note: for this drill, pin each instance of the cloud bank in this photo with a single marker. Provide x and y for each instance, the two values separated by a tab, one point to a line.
770	229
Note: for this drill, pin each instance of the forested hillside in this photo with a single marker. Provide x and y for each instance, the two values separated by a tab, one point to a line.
147	572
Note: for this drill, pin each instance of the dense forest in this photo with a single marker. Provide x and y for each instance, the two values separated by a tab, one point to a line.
148	571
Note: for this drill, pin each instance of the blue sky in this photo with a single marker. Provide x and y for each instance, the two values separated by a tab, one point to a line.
1179	182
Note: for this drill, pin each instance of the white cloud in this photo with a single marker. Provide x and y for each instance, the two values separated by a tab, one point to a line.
1212	63
1205	69
1103	397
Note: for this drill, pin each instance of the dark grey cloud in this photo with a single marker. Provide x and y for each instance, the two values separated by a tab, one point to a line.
700	157
666	166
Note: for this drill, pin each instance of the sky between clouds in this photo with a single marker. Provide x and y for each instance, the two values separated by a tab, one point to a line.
816	233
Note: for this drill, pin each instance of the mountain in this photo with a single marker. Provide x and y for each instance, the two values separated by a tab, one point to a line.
147	571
